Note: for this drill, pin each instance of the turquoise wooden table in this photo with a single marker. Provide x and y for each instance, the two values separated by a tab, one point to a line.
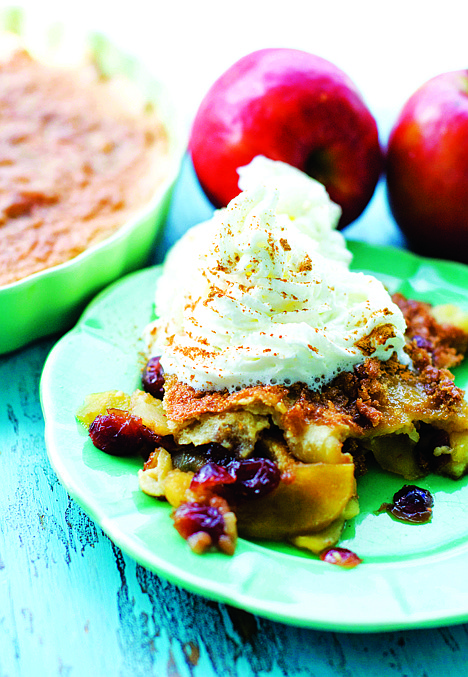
72	604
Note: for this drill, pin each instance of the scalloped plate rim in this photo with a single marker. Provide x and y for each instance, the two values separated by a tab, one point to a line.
292	612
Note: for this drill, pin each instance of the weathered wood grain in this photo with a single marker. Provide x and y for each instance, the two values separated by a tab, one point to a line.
72	604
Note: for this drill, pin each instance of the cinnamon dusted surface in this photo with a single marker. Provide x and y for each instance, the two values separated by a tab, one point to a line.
75	163
446	343
359	400
376	398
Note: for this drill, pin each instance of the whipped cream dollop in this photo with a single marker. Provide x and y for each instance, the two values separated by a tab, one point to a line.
262	293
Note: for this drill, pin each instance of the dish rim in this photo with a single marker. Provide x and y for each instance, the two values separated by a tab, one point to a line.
101	263
289	613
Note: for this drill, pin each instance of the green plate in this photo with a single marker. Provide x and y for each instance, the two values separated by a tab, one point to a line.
412	575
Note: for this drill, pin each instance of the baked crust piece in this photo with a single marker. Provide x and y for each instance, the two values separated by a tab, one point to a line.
411	407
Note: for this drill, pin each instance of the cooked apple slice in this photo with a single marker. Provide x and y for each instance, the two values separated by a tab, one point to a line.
140	404
318	495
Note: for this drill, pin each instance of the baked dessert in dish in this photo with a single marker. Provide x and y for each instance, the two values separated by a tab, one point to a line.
81	155
275	373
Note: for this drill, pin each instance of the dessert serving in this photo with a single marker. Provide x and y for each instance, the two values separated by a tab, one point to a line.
274	373
81	155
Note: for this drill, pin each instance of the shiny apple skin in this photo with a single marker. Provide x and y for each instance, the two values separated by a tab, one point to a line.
292	106
427	167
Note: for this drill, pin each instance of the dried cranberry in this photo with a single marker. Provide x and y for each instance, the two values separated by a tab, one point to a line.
211	475
217	453
255	477
244	479
411	504
119	433
423	343
192	518
342	557
153	378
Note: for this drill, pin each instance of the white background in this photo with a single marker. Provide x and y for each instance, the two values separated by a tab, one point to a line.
388	48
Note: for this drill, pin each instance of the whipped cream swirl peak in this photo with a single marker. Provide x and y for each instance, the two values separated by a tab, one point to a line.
262	293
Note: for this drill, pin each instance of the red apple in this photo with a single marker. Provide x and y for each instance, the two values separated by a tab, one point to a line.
292	106
427	167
